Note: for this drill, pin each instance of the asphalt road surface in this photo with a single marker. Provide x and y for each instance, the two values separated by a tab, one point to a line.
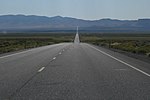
73	71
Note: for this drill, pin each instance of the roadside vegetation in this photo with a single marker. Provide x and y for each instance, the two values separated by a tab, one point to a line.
15	42
136	43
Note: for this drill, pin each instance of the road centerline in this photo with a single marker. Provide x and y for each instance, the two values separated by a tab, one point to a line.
139	70
54	58
60	53
40	70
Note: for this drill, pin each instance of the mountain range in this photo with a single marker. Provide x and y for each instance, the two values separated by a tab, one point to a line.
43	23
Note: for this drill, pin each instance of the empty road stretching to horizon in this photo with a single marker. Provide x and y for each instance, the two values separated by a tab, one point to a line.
73	71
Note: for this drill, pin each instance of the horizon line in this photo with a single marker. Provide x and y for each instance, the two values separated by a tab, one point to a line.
74	17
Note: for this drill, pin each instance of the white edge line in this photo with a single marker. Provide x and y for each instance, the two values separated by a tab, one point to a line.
15	54
121	61
26	51
41	69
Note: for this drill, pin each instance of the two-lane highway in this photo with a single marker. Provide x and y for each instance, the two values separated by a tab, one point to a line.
73	71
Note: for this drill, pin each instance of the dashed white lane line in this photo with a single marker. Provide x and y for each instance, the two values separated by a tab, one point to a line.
54	58
139	70
60	53
41	69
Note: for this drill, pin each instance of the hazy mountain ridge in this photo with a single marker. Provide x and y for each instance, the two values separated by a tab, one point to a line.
8	22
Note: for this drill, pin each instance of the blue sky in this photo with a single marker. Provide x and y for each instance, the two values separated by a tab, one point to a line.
84	9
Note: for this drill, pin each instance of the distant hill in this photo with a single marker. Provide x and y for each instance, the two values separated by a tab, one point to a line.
43	23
